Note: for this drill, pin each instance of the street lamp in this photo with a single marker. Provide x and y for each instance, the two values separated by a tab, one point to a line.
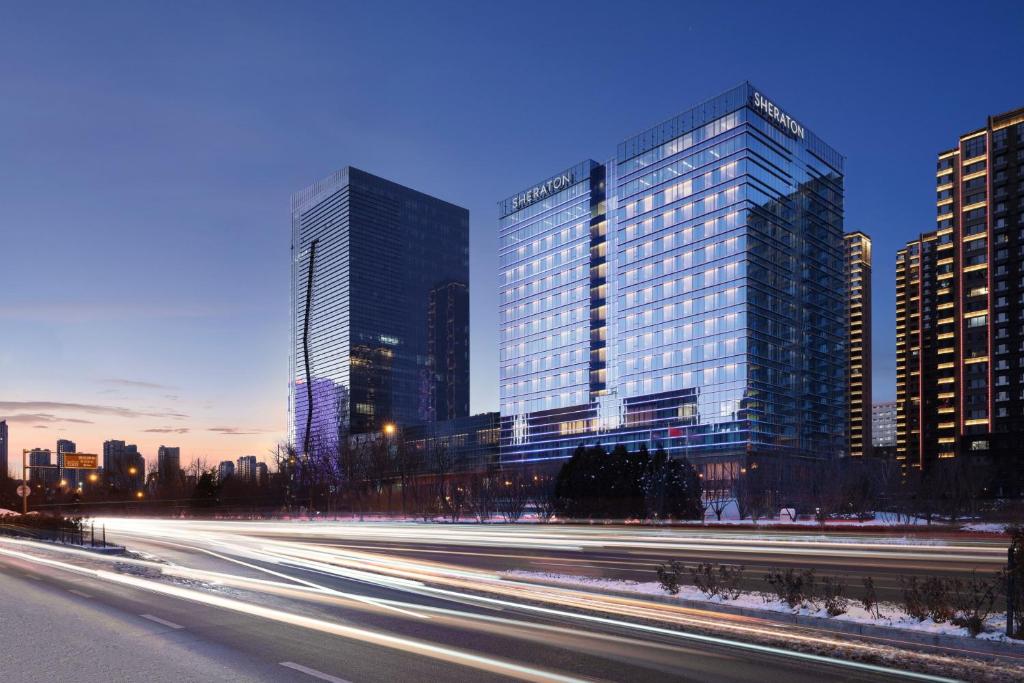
389	428
138	494
93	477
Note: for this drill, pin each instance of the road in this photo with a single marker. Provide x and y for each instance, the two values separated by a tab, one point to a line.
632	552
386	602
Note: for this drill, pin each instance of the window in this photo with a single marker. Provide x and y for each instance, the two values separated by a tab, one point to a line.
974	147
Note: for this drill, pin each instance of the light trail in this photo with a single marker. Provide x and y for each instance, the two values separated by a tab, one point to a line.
479	588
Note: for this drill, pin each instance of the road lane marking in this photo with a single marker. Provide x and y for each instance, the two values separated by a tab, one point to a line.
314	673
168	624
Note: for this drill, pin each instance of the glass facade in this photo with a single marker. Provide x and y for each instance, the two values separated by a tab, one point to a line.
368	257
688	292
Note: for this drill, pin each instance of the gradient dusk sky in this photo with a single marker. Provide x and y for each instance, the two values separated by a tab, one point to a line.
149	151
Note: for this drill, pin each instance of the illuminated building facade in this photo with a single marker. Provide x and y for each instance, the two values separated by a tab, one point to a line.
858	310
960	292
688	292
366	255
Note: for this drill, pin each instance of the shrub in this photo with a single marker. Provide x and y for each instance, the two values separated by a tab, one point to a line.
929	598
718	579
870	599
792	587
973	601
833	594
669	574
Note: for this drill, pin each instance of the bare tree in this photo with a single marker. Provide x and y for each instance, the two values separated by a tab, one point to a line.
542	495
513	496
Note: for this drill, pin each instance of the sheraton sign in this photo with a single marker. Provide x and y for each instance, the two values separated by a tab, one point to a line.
543	191
781	119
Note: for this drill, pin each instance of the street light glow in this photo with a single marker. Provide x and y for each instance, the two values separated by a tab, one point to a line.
389	428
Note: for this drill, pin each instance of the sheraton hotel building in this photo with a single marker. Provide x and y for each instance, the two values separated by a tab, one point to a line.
687	292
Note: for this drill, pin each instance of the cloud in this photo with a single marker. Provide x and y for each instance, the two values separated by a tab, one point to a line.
135	383
167	430
88	408
83	312
31	418
236	431
40	427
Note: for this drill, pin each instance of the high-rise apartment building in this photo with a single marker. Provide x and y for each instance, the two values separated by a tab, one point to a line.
225	470
262	474
71	478
960	306
246	469
123	465
168	464
4	441
688	292
858	311
366	255
448	350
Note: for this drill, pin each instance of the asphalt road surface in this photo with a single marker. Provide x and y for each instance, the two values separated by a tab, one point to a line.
213	601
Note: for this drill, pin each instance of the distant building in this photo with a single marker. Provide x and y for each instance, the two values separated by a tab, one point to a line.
123	466
883	430
246	469
4	439
365	255
41	457
71	478
225	470
858	370
262	474
168	463
959	294
883	425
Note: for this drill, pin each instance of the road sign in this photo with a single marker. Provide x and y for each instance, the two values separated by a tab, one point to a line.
23	490
81	461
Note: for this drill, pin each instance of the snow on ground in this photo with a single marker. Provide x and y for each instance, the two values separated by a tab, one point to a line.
985	527
890	614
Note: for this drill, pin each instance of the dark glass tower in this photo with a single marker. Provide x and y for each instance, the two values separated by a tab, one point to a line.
688	292
448	350
366	255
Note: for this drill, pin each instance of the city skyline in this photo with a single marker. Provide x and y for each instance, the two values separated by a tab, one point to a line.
193	350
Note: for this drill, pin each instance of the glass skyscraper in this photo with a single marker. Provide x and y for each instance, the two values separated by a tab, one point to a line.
689	292
369	257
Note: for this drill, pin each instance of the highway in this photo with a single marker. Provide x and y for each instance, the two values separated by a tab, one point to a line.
633	552
354	602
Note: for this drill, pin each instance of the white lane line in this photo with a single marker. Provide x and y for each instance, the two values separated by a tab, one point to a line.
79	593
314	673
168	624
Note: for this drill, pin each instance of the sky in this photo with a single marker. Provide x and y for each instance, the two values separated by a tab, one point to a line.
148	152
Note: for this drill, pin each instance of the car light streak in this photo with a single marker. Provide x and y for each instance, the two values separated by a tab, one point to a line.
285	551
